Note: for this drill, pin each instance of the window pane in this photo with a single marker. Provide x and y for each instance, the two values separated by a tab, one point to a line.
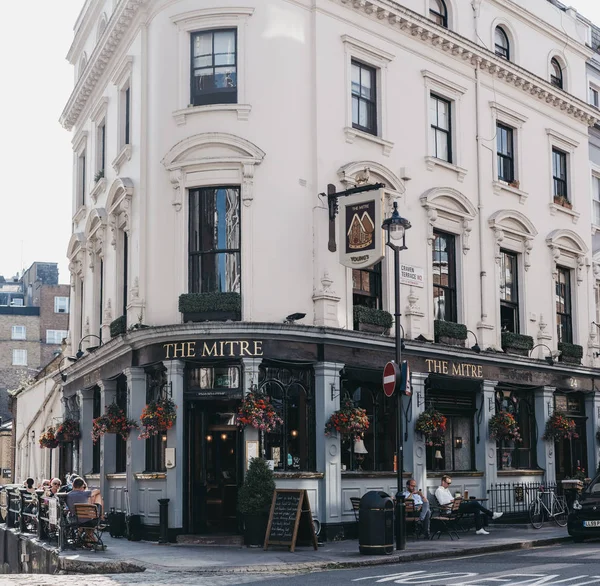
355	79
366	84
203	62
363	114
203	44
441	146
225	77
224	42
443	118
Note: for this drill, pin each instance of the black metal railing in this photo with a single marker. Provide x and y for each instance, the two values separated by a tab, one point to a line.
515	498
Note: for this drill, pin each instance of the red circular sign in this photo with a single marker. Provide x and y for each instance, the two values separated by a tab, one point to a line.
391	374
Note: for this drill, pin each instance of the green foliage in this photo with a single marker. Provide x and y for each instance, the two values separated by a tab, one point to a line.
205	302
571	350
376	317
256	494
118	326
449	329
517	341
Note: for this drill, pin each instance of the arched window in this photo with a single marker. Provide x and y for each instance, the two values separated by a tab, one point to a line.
438	12
502	44
292	446
556	74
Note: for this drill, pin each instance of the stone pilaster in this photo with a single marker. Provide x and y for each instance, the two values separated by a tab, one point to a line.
544	406
175	439
329	459
485	448
415	458
86	445
250	381
136	448
108	442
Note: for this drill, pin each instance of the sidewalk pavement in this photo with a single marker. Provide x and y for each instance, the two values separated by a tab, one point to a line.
127	556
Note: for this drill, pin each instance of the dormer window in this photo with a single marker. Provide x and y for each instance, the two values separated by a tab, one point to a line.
502	45
556	75
438	12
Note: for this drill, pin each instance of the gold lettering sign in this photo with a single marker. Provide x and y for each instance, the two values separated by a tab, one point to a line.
454	368
213	349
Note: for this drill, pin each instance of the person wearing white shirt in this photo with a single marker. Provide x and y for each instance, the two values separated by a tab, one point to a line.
444	498
421	504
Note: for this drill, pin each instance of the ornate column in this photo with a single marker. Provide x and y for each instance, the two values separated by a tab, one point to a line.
329	459
485	448
136	448
414	447
249	381
175	439
108	442
86	445
544	406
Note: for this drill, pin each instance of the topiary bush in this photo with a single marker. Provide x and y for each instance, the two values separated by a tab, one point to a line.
256	494
571	350
204	302
118	326
518	341
449	329
376	317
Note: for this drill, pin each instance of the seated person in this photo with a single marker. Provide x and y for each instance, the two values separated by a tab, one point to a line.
54	486
28	484
445	498
80	494
421	504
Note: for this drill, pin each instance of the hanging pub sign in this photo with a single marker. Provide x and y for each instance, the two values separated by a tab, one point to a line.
360	229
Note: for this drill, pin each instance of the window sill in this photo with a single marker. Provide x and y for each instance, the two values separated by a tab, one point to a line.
117	476
554	207
307	475
150	475
516	472
243	111
433	162
373	474
352	134
502	186
454	474
79	214
93	476
98	189
123	156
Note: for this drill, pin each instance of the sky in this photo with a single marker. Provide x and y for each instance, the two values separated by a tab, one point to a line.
35	151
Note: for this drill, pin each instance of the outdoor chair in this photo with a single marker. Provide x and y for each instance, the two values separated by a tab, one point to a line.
411	519
446	520
85	527
355	501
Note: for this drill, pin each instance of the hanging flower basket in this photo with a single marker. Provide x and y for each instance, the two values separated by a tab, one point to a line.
504	428
68	431
432	424
257	411
48	439
560	426
114	420
349	421
157	417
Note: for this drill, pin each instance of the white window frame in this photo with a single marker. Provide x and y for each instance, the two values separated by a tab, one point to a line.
448	90
19	357
98	118
61	335
18	333
594	95
203	20
56	304
595	190
123	81
557	140
508	117
355	49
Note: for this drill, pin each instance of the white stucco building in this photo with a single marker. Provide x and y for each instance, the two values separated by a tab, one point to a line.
205	135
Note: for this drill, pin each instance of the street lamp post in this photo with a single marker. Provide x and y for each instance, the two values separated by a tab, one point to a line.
395	227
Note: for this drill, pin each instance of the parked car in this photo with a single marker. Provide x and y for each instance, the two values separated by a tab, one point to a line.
584	518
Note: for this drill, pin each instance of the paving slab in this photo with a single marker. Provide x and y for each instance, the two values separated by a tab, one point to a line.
128	556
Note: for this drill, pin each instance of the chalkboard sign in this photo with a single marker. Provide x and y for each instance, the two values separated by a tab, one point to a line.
290	517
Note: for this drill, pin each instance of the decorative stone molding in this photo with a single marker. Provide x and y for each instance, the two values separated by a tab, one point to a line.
432	162
501	187
350	175
515	231
95	234
242	111
123	156
543	335
567	249
118	206
353	133
413	316
326	302
98	189
415	25
76	254
554	207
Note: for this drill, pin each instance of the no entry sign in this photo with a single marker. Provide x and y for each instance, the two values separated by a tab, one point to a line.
391	374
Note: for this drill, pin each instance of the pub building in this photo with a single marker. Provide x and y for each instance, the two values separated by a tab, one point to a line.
307	371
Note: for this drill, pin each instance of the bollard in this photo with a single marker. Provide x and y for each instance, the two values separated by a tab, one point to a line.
400	522
163	515
41	533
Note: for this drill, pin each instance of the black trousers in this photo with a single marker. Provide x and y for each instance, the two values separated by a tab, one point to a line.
479	511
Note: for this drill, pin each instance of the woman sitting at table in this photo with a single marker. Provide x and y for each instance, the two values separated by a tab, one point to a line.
445	498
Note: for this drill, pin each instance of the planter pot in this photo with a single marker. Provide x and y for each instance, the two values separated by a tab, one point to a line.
451	341
371	328
569	359
211	316
516	351
255	529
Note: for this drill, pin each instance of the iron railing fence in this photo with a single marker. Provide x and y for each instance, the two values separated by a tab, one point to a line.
514	498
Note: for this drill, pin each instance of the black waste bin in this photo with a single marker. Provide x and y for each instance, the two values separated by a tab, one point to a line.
376	523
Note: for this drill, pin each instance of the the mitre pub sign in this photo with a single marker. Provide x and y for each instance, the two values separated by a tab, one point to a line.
360	229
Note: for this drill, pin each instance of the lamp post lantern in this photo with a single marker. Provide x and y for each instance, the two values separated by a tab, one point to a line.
395	227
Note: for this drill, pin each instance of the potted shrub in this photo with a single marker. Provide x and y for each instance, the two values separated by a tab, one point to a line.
563	201
118	326
570	353
157	417
432	424
68	431
254	501
349	421
114	420
375	321
448	332
518	344
560	426
210	306
48	439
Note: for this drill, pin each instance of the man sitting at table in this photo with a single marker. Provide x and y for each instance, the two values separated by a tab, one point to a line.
445	498
421	505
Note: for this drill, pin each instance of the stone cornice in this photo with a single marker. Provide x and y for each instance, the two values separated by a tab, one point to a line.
415	25
117	28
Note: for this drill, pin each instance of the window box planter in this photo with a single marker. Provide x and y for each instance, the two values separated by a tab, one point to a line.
570	353
118	326
448	332
374	321
518	344
210	306
563	201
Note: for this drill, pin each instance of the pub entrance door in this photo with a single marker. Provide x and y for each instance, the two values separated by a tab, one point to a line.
571	454
214	467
